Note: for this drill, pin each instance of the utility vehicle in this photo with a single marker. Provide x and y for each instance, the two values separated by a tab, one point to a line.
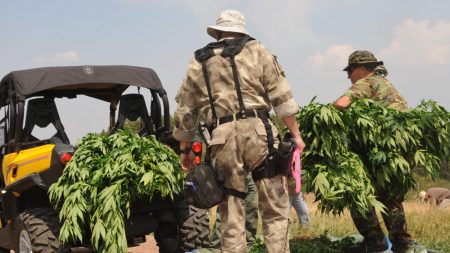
30	165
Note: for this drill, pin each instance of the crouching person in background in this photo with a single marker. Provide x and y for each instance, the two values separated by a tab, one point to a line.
435	195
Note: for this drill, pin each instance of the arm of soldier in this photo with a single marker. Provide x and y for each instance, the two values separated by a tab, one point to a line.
342	103
280	95
187	159
291	124
357	90
186	115
276	85
184	131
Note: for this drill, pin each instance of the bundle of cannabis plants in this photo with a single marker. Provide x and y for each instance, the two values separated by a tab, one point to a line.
353	155
105	175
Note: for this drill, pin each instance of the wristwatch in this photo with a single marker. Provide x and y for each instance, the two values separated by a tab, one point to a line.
185	151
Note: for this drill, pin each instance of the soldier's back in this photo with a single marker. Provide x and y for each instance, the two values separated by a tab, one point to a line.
384	93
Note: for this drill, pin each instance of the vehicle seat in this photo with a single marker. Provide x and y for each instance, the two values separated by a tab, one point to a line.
41	112
132	107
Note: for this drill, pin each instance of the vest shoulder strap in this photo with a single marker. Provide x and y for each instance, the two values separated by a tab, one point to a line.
203	54
235	46
231	48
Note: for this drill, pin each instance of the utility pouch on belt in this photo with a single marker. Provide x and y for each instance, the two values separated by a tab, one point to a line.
277	162
286	153
203	187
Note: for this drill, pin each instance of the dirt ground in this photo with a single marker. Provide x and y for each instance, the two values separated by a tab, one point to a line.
148	247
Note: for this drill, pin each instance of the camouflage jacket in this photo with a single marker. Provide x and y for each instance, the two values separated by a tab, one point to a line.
379	89
262	80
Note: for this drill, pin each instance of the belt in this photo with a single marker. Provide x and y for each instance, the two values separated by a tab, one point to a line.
238	116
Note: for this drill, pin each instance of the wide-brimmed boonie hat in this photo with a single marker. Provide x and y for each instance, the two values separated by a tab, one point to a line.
228	21
362	58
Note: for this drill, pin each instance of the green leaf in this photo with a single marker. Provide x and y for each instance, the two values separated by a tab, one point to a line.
105	175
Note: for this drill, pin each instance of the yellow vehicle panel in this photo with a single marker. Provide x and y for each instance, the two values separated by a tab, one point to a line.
18	165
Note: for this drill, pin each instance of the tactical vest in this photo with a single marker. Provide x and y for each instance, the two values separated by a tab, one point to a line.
232	47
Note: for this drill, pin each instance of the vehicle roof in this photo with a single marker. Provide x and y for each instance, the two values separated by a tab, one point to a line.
98	81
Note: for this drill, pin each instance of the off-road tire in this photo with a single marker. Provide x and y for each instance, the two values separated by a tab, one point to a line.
167	236
195	230
42	226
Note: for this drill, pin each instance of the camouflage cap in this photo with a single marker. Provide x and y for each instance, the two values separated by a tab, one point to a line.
362	58
228	21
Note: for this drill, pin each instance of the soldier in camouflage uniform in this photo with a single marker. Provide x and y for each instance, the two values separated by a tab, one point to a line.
367	75
239	145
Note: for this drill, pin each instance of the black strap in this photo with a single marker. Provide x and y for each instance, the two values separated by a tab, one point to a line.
205	53
266	169
260	172
231	48
229	191
202	55
211	99
236	193
238	116
237	84
265	119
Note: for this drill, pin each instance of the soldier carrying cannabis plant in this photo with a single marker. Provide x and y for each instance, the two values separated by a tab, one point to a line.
367	75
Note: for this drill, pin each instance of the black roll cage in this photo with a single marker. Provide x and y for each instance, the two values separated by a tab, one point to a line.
106	91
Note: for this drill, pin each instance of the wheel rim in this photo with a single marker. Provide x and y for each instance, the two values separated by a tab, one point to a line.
24	242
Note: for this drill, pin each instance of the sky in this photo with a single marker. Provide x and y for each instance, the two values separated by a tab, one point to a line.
311	39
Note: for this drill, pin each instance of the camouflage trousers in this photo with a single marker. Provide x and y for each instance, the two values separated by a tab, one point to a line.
394	220
237	148
251	217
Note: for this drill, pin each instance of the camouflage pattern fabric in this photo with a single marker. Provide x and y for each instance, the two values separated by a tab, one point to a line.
362	57
380	90
394	220
273	205
380	71
242	146
263	85
238	147
369	227
251	217
273	202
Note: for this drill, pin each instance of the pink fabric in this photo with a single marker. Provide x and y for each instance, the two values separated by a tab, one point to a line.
296	170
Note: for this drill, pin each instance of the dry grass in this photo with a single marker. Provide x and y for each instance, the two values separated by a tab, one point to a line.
427	224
